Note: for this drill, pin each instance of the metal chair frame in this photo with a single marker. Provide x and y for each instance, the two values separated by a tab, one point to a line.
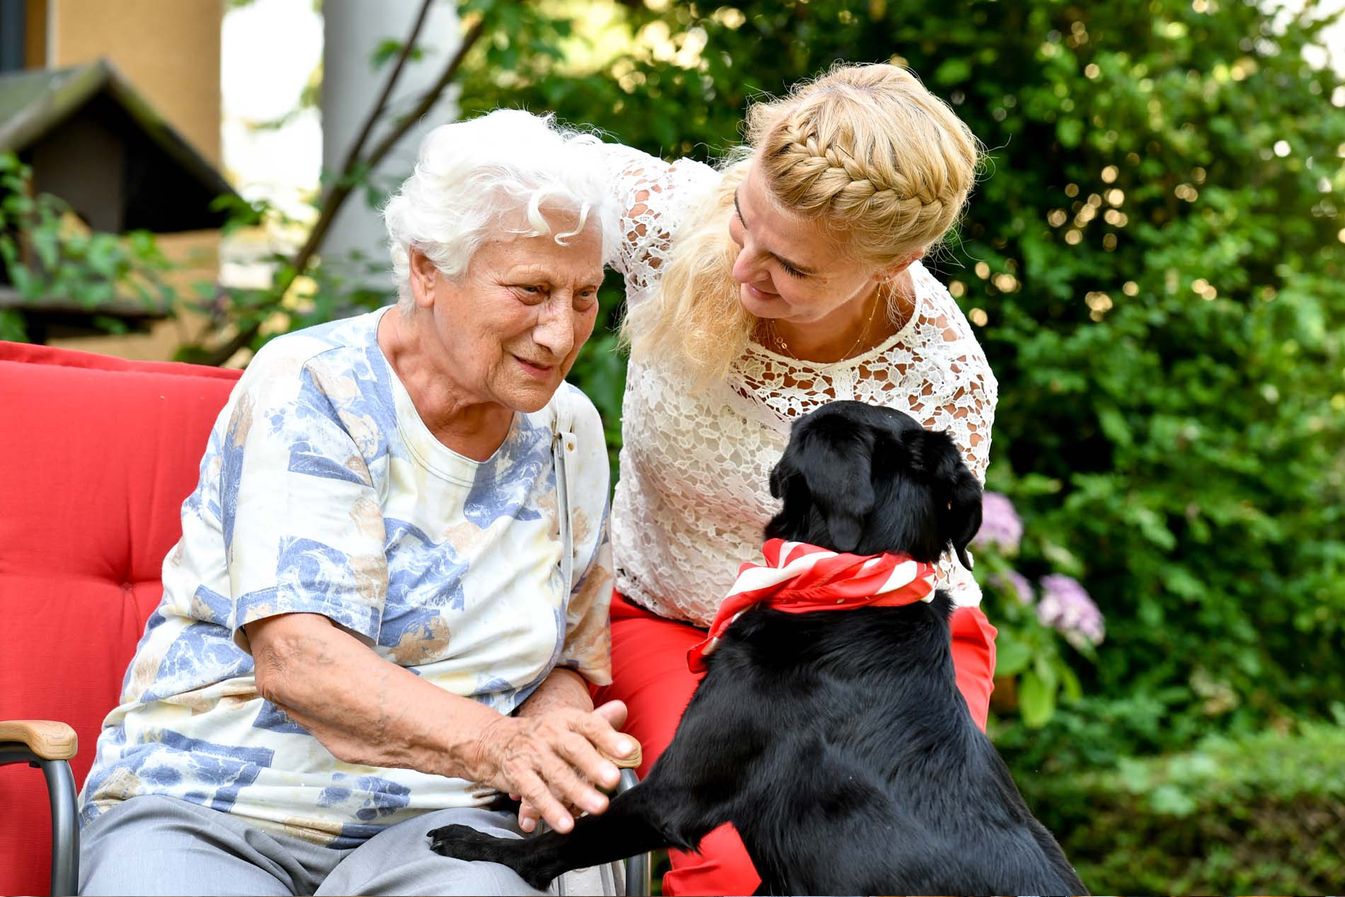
64	818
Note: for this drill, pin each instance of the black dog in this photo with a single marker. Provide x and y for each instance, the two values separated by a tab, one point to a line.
836	742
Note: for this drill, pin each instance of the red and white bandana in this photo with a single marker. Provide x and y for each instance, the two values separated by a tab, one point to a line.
797	578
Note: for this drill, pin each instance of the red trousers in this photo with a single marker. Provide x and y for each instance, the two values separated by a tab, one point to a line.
649	673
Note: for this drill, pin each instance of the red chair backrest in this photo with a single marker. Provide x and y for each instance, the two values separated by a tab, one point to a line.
96	457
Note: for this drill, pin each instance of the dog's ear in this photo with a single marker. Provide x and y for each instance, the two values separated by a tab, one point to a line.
935	455
834	463
964	513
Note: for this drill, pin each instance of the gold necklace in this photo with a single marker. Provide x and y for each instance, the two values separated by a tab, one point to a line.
784	346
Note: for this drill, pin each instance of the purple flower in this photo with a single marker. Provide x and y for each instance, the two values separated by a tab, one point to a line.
1001	527
1066	606
1014	583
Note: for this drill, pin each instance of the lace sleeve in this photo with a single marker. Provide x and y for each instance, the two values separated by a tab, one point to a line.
653	196
966	411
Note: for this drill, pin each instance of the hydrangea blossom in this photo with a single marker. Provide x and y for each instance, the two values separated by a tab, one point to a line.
1001	527
1015	584
1066	606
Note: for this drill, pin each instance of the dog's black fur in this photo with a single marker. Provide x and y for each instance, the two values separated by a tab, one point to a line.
836	742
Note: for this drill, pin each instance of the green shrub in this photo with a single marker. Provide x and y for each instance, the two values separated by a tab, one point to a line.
1154	267
1263	814
45	255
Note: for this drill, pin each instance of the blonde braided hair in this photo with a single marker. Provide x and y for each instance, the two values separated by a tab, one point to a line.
866	149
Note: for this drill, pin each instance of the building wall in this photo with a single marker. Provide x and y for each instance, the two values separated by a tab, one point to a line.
35	36
168	49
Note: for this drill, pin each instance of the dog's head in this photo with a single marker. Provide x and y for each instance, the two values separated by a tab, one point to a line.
865	479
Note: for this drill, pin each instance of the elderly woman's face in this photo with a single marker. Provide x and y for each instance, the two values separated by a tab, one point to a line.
508	330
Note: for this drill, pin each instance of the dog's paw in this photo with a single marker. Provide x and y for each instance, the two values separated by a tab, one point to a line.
465	843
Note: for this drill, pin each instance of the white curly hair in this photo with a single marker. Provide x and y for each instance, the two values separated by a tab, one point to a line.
500	173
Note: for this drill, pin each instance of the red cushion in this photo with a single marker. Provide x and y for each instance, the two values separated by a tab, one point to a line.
96	457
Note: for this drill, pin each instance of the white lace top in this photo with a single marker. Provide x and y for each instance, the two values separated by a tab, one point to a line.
693	494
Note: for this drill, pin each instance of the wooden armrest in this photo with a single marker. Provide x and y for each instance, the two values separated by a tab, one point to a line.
632	762
45	738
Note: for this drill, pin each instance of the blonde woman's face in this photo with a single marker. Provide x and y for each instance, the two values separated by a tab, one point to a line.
791	268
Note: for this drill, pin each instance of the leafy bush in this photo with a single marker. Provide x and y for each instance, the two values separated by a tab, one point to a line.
46	253
1166	364
1031	668
1257	815
1153	264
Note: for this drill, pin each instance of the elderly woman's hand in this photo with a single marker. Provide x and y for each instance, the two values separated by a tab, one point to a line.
554	754
615	713
555	761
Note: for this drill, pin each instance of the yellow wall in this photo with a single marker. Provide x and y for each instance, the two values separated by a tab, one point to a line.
168	49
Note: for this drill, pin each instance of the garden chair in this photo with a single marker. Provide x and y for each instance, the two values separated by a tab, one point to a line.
96	457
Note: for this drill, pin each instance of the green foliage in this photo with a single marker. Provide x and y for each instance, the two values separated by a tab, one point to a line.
46	254
1033	671
1153	262
1043	628
1187	425
600	370
1258	815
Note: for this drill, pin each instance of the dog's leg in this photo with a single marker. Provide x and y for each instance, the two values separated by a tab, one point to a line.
626	829
692	788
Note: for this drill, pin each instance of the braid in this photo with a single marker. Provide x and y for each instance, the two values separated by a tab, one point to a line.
870	149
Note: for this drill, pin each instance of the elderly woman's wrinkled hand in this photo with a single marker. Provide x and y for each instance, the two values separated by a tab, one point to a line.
555	762
615	713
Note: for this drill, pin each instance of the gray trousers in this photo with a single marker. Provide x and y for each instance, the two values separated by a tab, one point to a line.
160	845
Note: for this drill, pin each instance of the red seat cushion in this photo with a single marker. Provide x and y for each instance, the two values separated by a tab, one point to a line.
96	457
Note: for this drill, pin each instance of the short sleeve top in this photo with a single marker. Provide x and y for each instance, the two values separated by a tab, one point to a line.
322	491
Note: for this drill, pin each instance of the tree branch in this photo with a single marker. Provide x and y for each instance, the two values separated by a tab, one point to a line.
345	184
357	147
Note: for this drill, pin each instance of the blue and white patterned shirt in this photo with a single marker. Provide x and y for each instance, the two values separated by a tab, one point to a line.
322	491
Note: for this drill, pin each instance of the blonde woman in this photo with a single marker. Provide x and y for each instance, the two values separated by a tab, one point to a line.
755	294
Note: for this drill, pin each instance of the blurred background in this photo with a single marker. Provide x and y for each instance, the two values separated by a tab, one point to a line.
1152	260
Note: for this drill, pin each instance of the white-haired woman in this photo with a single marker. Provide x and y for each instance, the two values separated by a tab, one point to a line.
755	294
373	622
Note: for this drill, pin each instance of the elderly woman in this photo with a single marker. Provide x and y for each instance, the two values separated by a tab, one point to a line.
755	294
391	592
